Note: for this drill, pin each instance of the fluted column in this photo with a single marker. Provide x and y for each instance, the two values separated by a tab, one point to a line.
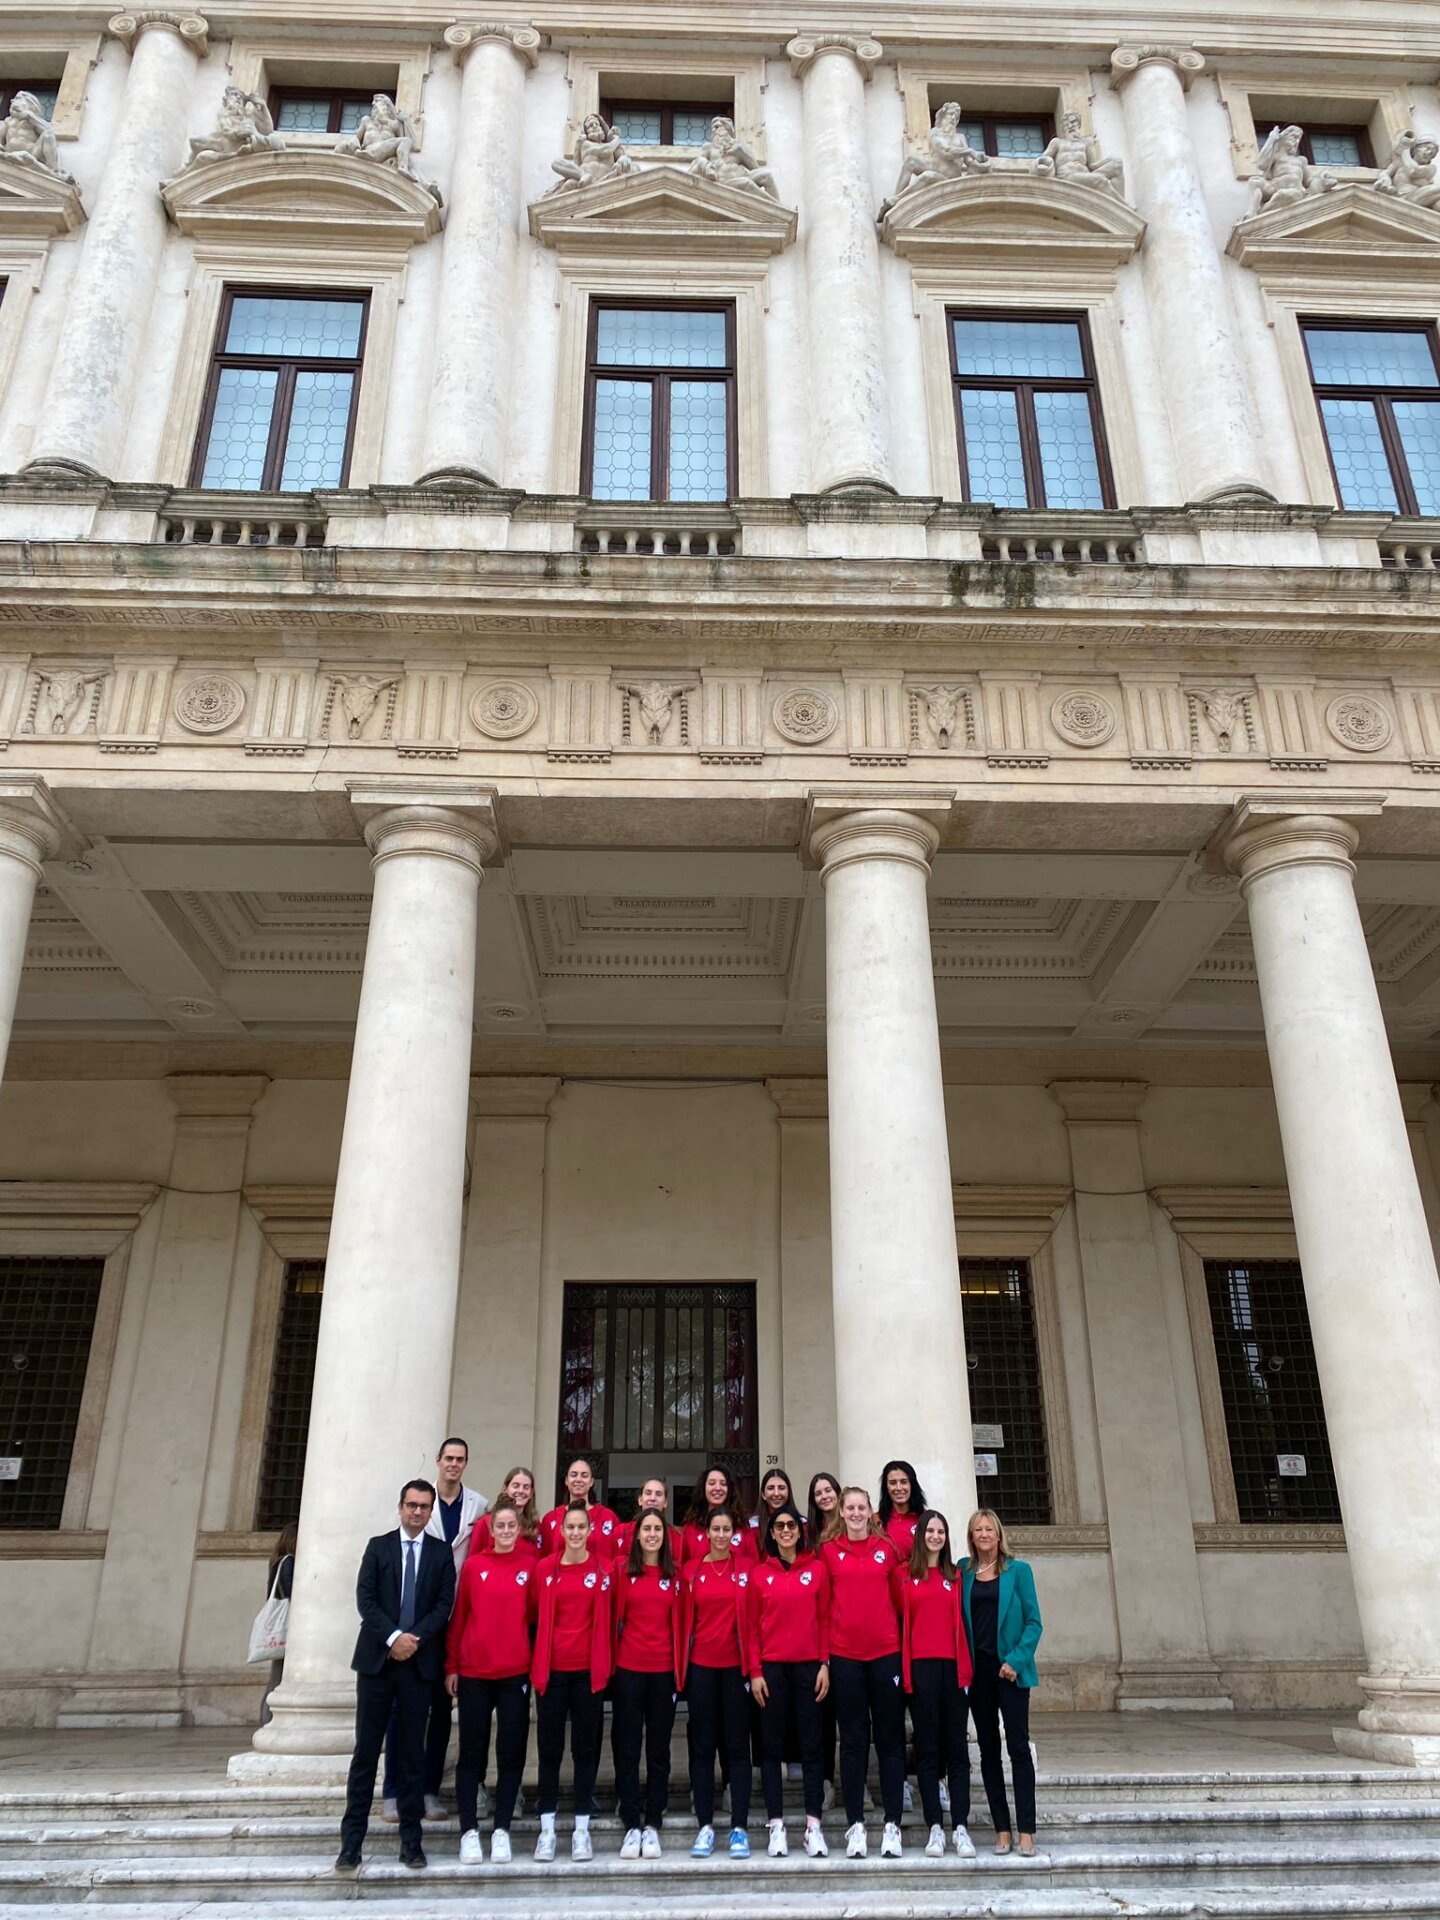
475	324
849	400
1216	441
98	355
29	835
382	1368
1365	1251
901	1383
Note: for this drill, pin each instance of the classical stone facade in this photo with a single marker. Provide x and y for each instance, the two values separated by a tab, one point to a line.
650	673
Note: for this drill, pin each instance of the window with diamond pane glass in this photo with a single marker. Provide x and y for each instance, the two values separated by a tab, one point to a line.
636	126
47	1321
662	123
1270	1388
993	458
1027	411
280	409
1067	449
1335	147
45	94
1007	349
1005	1387
660	404
1012	136
296	111
1377	389
292	1381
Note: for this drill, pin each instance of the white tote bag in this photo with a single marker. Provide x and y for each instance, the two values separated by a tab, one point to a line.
272	1623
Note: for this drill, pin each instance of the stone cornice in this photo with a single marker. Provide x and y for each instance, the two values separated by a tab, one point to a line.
1128	60
191	28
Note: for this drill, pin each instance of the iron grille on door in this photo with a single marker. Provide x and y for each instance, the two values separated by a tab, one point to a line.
47	1320
1005	1388
662	1369
292	1379
1271	1391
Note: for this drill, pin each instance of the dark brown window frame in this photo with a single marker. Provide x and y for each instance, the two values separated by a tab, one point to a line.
1024	390
667	109
661	378
338	97
1382	396
287	368
1361	133
989	122
9	88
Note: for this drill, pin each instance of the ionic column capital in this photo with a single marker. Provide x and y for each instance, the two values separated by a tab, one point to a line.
518	35
1184	62
1264	834
432	830
806	48
31	828
193	29
839	839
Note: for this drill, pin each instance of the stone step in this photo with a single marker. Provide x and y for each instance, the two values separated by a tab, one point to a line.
255	1833
1364	1862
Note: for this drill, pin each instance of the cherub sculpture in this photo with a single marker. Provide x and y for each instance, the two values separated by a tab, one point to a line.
599	155
727	161
1284	174
948	156
1075	157
242	126
27	136
1410	173
386	135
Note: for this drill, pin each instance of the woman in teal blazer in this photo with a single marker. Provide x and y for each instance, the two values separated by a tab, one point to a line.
1002	1624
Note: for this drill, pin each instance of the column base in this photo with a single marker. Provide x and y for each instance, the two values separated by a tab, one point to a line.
123	1700
1171	1686
1389	1749
1400	1723
303	1769
310	1738
460	480
62	470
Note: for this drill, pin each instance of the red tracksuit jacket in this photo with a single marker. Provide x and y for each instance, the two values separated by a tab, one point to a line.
604	1525
931	1623
863	1621
695	1544
489	1636
719	1623
789	1611
652	1622
565	1602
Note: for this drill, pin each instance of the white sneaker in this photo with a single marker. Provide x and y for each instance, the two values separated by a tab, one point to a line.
649	1844
890	1842
944	1796
390	1812
855	1841
964	1845
472	1849
779	1846
908	1800
500	1848
935	1845
815	1843
544	1846
630	1845
580	1847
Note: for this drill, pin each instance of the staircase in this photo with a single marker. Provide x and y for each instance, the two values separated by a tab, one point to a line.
1273	1845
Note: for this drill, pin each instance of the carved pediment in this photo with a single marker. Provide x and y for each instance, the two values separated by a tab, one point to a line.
663	210
1353	231
36	204
301	196
996	217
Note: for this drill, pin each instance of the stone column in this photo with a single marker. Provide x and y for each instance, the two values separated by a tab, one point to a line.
29	833
134	1674
901	1383
806	1310
1370	1277
1164	1645
849	400
475	323
1415	1100
98	356
382	1368
1216	441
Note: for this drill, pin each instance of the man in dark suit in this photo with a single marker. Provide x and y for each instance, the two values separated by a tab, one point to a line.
404	1594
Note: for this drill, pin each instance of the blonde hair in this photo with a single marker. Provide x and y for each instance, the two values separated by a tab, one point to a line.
877	1532
529	1515
1003	1555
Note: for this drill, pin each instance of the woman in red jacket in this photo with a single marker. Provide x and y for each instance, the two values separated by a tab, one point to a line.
571	1670
487	1667
865	1669
715	1489
789	1626
651	1616
654	1497
902	1501
775	1492
518	1487
936	1659
604	1525
715	1686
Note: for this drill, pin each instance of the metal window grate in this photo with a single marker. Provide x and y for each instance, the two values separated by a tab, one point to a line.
663	1369
47	1320
1005	1388
292	1379
1271	1390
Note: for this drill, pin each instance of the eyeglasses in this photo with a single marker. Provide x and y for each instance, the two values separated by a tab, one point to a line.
786	1526
417	1506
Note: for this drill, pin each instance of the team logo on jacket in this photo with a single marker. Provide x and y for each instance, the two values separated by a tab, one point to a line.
590	1579
608	1528
484	1573
881	1556
521	1578
743	1580
664	1586
947	1586
805	1578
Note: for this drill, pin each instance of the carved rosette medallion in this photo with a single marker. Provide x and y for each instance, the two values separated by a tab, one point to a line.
1084	719
504	710
210	705
806	715
1359	722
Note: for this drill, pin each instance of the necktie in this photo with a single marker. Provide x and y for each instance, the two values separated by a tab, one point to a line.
407	1590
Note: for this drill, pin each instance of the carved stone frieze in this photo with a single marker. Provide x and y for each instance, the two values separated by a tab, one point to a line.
210	705
1227	716
731	719
1014	736
359	706
65	700
1359	722
1083	718
949	714
504	709
805	715
657	703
